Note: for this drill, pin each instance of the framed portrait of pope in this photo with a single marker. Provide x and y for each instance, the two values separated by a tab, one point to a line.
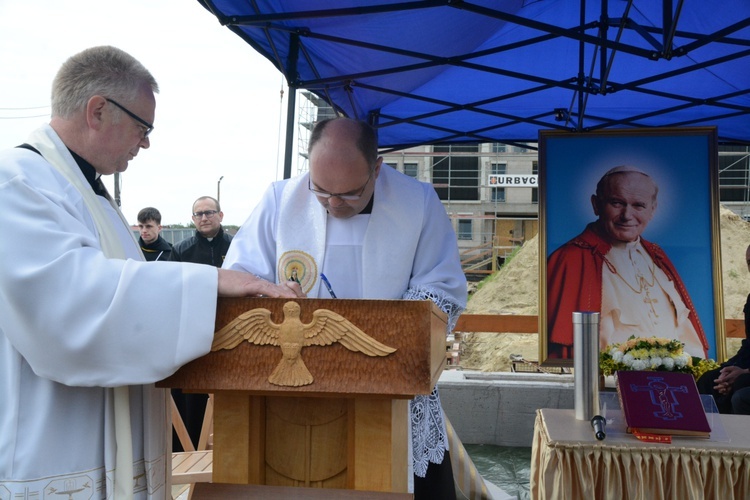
629	228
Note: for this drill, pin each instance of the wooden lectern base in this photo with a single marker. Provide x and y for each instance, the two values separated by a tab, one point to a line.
353	443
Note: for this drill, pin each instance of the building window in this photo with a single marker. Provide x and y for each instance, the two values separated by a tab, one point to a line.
535	191
498	194
410	169
456	175
499	147
464	229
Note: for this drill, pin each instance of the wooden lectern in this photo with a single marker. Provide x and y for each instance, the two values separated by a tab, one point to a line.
348	428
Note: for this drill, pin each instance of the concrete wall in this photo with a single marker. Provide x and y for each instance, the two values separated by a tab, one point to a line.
500	408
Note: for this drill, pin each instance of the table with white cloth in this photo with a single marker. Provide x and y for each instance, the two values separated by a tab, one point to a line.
568	462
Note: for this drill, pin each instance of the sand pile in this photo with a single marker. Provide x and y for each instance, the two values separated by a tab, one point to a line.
514	289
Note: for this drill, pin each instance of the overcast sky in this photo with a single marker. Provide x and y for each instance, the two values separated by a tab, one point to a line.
218	113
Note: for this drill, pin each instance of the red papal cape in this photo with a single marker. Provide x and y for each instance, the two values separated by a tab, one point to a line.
574	284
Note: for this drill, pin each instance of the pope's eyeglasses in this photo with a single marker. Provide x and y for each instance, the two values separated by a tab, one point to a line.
141	121
350	196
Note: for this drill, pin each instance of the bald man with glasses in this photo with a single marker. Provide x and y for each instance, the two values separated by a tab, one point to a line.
375	233
210	242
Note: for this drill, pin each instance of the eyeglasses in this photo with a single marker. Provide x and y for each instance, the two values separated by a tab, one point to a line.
350	196
149	127
208	213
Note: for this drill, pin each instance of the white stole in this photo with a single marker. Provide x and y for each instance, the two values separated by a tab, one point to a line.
390	235
48	143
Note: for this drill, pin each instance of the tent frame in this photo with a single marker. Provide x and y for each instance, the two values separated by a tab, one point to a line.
592	76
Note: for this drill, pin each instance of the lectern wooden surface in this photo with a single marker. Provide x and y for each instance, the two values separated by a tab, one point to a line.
346	429
415	328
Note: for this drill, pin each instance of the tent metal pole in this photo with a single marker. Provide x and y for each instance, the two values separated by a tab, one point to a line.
291	105
603	30
291	70
581	75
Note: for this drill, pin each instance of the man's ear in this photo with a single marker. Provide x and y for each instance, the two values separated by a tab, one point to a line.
95	112
378	163
595	204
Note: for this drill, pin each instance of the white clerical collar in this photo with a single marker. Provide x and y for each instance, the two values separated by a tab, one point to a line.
630	260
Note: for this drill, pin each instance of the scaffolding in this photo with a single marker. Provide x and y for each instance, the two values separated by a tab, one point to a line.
311	110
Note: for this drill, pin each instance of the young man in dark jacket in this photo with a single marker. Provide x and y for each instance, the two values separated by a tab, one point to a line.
153	246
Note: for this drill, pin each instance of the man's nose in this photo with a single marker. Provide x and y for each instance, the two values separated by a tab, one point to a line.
336	201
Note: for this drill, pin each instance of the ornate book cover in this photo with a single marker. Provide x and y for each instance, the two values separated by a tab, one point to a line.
661	403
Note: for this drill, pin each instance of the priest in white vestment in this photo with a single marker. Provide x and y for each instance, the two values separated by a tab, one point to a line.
86	325
375	233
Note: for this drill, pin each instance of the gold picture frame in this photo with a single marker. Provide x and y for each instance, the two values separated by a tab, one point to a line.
683	163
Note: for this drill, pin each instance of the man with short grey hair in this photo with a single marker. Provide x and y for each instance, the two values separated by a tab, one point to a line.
80	415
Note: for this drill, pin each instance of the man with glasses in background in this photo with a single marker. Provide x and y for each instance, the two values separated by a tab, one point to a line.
208	245
375	233
210	242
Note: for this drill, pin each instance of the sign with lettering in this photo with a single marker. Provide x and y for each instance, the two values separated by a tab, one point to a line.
510	180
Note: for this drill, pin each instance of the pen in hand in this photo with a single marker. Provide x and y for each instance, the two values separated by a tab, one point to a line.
328	285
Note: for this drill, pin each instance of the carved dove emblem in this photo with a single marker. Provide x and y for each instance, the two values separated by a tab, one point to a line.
255	326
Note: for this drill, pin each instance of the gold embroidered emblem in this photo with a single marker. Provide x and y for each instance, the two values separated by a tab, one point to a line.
300	265
255	326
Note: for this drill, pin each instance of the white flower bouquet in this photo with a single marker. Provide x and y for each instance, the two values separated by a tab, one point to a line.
651	354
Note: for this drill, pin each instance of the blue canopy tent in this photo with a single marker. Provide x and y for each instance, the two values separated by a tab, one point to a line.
452	71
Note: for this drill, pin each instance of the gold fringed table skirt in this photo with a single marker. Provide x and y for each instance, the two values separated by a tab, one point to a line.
567	462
